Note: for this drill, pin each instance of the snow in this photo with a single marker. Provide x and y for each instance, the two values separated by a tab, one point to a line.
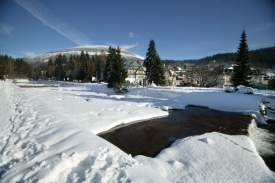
244	89
208	158
49	135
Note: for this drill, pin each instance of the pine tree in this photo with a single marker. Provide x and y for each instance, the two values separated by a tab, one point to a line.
158	72
118	73
64	68
57	70
107	70
84	66
241	67
72	67
103	57
50	68
154	65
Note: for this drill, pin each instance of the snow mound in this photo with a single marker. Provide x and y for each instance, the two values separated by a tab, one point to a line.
228	89
244	89
267	107
103	166
21	80
187	158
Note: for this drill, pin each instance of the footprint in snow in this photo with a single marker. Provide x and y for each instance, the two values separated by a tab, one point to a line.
207	141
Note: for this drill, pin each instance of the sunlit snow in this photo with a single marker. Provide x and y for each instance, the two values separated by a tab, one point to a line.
48	134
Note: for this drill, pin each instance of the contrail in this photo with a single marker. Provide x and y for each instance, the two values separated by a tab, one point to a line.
41	12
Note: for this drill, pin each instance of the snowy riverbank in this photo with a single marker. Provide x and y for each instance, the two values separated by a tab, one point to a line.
49	135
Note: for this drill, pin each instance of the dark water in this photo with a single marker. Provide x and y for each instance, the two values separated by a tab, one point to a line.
265	143
150	137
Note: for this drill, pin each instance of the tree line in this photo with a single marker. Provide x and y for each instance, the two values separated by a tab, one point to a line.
76	67
104	67
14	68
260	58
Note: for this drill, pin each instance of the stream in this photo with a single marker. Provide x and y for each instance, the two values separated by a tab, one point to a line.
148	138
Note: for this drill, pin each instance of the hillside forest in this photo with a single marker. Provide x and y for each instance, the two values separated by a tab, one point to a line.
18	68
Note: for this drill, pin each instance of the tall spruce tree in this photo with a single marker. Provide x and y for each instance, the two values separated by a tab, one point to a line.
241	67
57	70
97	61
50	68
84	66
118	73
158	72
64	68
154	66
107	70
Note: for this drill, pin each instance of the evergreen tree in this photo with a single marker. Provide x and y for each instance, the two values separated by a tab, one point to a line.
154	65
12	68
57	70
64	68
97	60
50	68
158	72
22	68
84	66
241	67
118	73
103	57
72	67
107	70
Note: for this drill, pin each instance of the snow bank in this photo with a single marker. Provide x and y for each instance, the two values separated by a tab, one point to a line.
214	98
38	143
212	157
48	135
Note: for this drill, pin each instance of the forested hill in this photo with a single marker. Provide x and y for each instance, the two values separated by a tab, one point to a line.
263	58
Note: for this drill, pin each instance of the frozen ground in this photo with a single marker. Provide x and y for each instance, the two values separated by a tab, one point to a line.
49	135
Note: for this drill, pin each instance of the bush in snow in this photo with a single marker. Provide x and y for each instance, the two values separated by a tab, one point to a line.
120	89
238	89
228	89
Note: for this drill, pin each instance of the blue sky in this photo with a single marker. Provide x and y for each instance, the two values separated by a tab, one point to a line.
181	29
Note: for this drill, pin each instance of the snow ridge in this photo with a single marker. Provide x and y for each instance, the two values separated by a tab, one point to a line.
90	49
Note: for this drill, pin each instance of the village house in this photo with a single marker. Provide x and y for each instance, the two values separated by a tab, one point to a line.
136	73
170	77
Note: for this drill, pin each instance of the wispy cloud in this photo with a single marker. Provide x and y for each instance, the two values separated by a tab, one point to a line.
124	47
29	54
131	35
5	29
266	27
41	12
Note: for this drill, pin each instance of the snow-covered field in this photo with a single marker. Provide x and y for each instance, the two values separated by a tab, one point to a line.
49	135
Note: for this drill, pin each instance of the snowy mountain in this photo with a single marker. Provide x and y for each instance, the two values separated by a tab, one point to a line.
90	49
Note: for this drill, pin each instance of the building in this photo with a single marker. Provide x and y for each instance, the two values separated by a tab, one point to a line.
170	76
136	72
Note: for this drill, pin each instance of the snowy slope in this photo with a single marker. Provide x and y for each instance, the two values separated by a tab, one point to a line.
90	49
49	135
